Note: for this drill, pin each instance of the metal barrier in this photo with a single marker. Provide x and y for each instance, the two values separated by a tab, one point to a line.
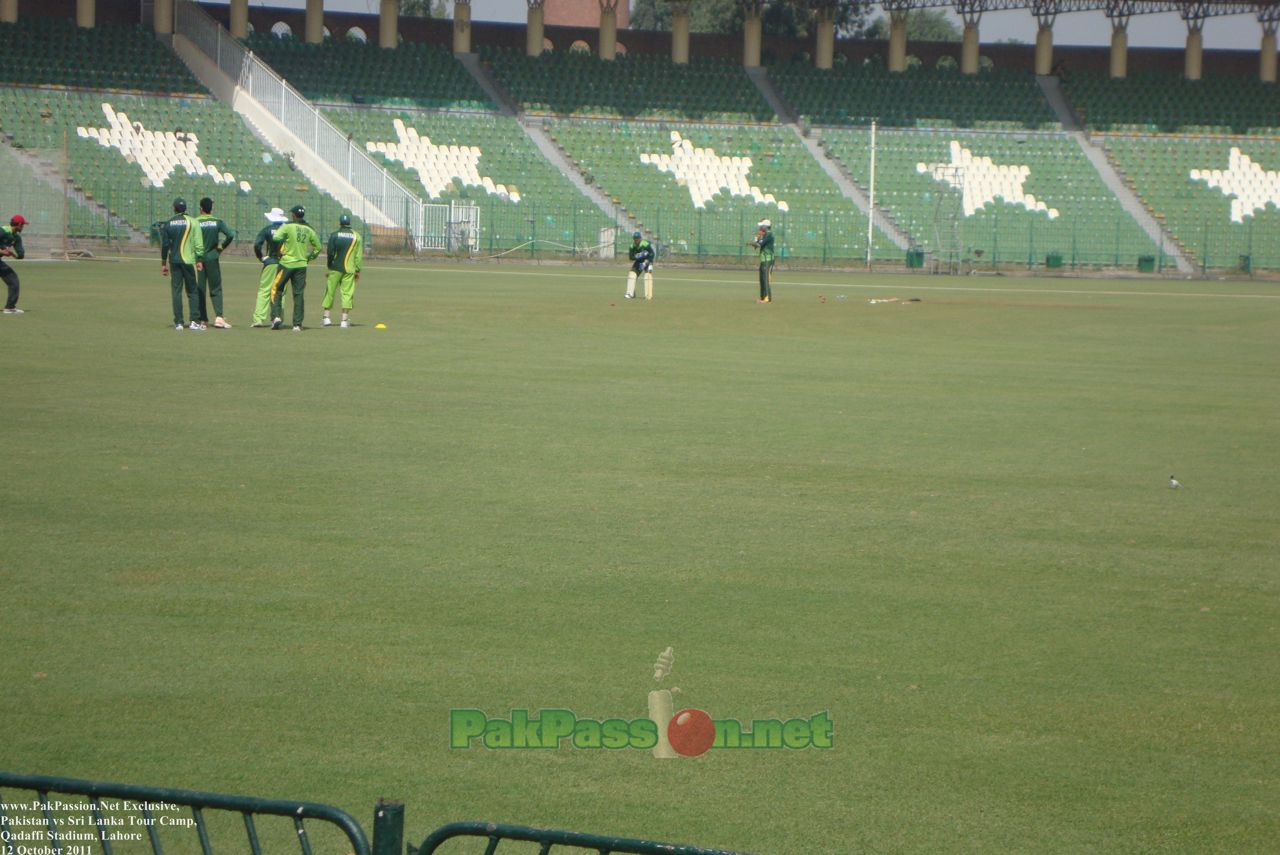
388	822
398	203
144	800
547	837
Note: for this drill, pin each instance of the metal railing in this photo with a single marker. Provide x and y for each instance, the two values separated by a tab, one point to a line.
64	828
382	190
496	832
153	805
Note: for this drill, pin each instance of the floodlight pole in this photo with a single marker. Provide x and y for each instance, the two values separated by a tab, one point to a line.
871	196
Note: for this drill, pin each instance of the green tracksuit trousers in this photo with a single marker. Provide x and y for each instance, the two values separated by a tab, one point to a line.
183	277
210	280
289	276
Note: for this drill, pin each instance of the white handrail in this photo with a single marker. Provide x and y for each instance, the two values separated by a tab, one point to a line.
401	205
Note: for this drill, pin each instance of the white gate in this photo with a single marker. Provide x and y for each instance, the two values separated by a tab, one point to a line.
450	228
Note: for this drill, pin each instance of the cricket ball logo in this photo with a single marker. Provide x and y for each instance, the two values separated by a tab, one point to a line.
687	733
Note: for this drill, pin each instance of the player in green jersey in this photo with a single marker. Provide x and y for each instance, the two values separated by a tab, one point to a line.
346	256
181	257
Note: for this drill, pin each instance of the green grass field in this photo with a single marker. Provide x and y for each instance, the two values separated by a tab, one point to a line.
269	563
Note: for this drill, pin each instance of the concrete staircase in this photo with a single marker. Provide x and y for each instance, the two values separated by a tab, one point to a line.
48	174
471	62
835	170
268	127
554	152
536	130
1111	176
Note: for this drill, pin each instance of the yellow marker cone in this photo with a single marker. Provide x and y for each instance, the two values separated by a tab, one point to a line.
379	326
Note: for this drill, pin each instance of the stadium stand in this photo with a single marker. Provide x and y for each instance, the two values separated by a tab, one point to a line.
1036	196
640	86
701	188
919	97
412	75
1219	197
1152	102
134	153
483	159
56	52
44	203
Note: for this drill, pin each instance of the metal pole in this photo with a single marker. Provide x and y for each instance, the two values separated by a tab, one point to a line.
871	198
388	828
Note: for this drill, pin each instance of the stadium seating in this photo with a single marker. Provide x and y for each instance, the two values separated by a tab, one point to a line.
44	203
639	86
55	52
1056	204
1151	102
700	189
248	178
1185	181
412	75
483	159
919	97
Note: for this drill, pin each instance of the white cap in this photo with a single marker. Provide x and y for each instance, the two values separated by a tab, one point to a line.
765	224
275	215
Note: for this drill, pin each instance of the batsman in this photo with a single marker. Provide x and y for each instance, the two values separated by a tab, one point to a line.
641	255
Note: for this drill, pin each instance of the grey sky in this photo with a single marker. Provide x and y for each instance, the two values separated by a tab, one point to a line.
1240	32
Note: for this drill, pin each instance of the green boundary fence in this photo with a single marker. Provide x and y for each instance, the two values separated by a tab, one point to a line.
248	807
495	833
388	824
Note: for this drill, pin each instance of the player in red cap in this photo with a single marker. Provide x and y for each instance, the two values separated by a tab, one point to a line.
11	247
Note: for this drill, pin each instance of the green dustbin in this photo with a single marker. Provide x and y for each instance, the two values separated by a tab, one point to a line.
1146	264
915	259
1053	260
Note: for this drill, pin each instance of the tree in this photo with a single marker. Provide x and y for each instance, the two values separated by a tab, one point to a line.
423	9
923	25
779	17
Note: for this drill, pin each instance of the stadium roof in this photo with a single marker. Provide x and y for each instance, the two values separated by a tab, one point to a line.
1189	9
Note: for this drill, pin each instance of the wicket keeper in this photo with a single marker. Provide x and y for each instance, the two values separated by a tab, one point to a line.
641	255
346	255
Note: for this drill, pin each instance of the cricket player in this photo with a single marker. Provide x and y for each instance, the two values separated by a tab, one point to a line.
764	243
211	276
299	245
11	247
268	252
346	255
182	249
641	255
